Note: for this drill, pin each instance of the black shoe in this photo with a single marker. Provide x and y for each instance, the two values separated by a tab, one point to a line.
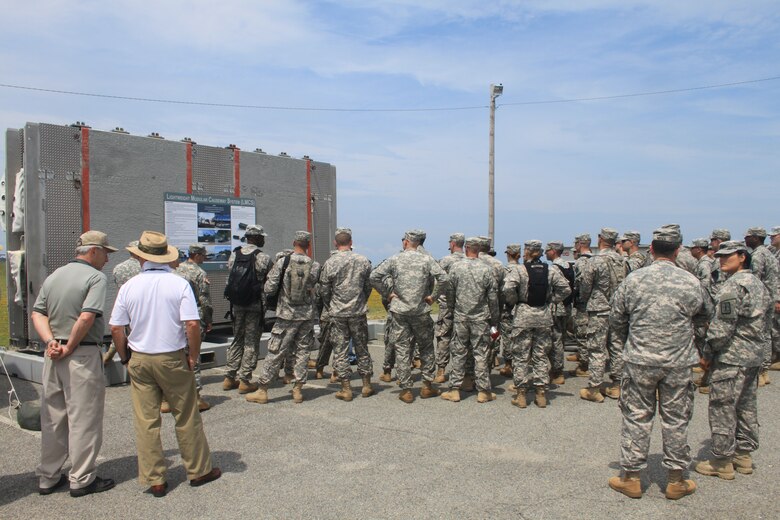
48	491
211	476
159	490
97	486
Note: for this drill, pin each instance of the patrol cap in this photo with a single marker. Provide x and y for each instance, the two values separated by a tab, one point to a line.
513	249
729	247
197	249
414	235
473	241
720	234
484	241
95	238
700	242
255	230
457	237
756	232
774	231
422	234
585	237
634	236
608	234
343	231
669	233
555	245
303	236
533	245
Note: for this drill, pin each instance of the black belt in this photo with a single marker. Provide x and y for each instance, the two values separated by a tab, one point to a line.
92	343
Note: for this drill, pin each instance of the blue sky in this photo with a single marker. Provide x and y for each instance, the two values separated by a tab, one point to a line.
704	159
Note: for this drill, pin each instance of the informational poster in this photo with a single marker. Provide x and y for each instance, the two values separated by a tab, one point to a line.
218	223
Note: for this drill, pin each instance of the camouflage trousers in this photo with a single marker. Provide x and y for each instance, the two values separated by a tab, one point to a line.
288	336
602	348
444	331
638	405
506	330
326	344
389	361
470	341
580	323
733	410
404	331
776	336
530	347
559	335
242	353
770	332
356	329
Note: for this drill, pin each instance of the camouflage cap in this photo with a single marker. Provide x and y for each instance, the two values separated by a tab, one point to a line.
700	242
303	236
669	233
197	249
756	232
255	230
633	236
484	241
555	245
414	235
585	237
774	231
730	246
422	234
343	231
473	241
457	237
533	245
720	234
95	238
513	249
608	234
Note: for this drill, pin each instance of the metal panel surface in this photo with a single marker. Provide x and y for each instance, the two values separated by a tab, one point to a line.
34	222
323	195
212	170
14	159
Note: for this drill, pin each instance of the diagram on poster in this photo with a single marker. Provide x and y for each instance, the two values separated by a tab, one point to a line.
217	223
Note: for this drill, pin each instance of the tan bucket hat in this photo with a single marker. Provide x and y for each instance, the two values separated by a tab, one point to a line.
153	246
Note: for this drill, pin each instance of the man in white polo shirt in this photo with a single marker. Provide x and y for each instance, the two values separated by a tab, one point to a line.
160	309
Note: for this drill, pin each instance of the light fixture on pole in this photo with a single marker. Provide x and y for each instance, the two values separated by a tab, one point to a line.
495	91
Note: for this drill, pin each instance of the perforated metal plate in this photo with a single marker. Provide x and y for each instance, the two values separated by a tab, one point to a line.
212	170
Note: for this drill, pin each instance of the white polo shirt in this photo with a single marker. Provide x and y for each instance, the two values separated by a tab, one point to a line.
155	304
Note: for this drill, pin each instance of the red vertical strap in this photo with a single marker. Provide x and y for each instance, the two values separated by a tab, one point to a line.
237	172
188	156
85	179
309	225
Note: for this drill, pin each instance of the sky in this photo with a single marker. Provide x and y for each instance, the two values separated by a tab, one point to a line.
704	158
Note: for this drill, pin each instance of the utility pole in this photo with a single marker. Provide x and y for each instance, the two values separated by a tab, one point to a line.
495	91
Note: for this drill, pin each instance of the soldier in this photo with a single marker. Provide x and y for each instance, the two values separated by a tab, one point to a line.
636	259
513	253
192	271
653	313
324	339
444	321
704	268
774	248
247	309
733	354
293	330
473	299
531	288
561	312
407	281
122	273
345	288
604	274
684	258
717	237
765	266
582	255
498	273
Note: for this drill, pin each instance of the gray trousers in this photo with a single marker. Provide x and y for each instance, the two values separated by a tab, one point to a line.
733	410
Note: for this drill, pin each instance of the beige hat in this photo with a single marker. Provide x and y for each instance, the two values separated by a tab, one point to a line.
95	238
153	246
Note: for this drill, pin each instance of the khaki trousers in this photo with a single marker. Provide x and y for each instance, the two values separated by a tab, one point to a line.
74	393
152	377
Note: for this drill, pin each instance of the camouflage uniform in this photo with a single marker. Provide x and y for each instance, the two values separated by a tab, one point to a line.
497	268
196	276
604	274
531	334
473	297
652	314
126	270
293	331
735	345
776	321
508	310
685	260
444	325
324	339
636	260
247	323
580	319
561	314
345	288
765	266
410	276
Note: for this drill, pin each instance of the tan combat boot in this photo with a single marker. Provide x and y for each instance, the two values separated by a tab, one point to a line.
259	396
246	387
581	372
468	384
417	363
716	467
229	384
540	399
506	370
202	404
288	378
613	392
440	376
406	396
367	390
319	374
519	399
452	395
165	407
334	378
387	376
573	357
763	378
485	396
629	484
512	387
312	363
428	390
704	389
742	462
297	393
697	370
345	394
557	378
591	394
677	487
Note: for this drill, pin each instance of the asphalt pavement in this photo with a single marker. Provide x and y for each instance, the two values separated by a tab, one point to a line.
377	457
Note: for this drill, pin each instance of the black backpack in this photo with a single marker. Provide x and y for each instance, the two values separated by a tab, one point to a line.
568	273
537	283
243	288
